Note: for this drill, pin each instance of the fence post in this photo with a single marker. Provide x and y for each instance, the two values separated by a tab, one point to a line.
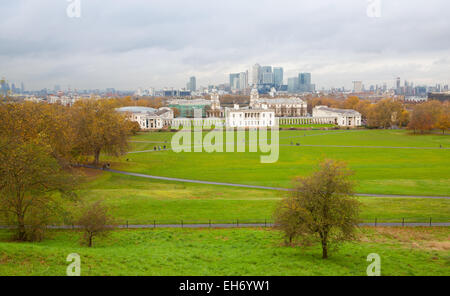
127	223
403	222
430	222
375	222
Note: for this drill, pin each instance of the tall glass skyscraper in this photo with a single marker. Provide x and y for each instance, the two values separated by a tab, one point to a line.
278	76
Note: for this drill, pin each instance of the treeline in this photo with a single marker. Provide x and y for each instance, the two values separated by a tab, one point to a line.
430	115
389	113
40	143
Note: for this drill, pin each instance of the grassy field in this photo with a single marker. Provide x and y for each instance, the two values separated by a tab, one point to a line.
403	251
141	200
230	252
378	170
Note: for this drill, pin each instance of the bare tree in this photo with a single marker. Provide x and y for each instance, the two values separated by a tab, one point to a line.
322	207
95	221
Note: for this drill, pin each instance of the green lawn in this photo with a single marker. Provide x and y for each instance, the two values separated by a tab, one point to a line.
377	170
229	252
141	200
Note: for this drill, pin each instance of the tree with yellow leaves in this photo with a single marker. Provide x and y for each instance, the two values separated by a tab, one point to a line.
443	120
99	128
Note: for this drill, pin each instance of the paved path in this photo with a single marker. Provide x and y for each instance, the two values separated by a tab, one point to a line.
252	186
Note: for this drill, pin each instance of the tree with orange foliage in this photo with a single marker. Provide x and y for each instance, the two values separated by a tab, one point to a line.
443	120
424	116
385	113
351	102
99	128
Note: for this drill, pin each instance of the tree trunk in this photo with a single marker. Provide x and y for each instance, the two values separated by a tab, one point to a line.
21	232
97	157
90	241
325	246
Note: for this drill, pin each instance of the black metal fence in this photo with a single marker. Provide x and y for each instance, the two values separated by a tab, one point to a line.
240	223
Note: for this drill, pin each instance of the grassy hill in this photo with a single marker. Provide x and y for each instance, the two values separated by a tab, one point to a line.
403	251
380	165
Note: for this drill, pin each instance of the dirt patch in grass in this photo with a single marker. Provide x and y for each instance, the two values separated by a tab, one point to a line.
429	238
4	259
438	246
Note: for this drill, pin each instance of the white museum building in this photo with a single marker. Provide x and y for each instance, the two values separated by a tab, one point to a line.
148	118
248	118
341	117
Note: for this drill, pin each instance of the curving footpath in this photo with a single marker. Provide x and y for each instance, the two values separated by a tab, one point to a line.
251	186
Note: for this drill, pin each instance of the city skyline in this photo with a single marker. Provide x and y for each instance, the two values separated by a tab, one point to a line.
163	44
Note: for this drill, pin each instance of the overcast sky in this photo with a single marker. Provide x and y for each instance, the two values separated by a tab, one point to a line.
157	43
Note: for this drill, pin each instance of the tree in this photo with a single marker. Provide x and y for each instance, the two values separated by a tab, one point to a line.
95	221
385	113
351	102
176	112
29	179
322	207
425	116
27	121
99	128
443	120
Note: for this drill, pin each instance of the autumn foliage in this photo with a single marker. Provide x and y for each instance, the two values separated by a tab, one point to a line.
430	115
322	207
39	143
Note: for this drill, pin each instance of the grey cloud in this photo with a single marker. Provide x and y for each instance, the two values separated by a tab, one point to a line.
161	43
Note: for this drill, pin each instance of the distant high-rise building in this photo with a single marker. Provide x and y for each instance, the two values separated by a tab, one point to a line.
192	84
293	84
398	83
234	80
304	82
256	74
243	80
266	75
357	86
267	78
278	76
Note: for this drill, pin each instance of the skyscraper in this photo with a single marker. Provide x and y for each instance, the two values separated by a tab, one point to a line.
243	80
192	84
256	74
293	84
278	76
267	75
234	80
304	82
